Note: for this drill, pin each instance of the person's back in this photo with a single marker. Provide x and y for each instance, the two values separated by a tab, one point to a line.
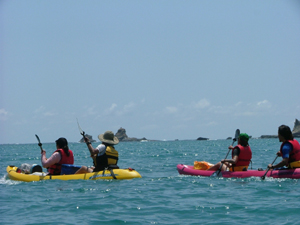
244	156
65	159
110	156
103	155
62	155
289	150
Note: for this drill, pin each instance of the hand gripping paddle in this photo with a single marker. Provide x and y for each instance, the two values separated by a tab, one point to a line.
264	176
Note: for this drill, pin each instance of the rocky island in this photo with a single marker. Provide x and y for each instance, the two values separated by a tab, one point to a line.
122	136
89	137
202	139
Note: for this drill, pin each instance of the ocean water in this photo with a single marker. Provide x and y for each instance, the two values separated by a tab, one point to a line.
161	196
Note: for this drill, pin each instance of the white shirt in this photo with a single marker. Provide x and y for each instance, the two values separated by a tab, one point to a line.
101	148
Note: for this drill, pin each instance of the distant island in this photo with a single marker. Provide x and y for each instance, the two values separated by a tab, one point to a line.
89	137
122	136
202	139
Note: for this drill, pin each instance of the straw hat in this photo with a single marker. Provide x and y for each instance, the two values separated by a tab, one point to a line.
109	138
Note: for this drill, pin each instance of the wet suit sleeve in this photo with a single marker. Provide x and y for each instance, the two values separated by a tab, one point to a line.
286	149
236	151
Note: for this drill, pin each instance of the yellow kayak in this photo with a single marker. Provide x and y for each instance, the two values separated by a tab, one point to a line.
119	174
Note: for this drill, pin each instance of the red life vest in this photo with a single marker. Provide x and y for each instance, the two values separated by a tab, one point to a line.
56	168
245	155
295	153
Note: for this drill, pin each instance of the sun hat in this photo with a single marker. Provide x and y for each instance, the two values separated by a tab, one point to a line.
244	137
108	137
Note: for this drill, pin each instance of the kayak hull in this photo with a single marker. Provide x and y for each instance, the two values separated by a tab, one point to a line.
120	174
290	173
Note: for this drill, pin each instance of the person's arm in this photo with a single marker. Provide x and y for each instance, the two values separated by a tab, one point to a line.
55	158
284	162
286	149
236	153
92	150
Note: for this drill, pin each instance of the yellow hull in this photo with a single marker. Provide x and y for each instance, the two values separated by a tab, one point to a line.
120	174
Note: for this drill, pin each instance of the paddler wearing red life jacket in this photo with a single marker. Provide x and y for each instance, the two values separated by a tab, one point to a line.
103	155
289	150
241	156
63	155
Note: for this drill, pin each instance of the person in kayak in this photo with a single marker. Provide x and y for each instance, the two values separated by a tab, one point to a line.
103	155
63	155
241	156
289	150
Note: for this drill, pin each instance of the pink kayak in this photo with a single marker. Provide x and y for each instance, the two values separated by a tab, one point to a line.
189	170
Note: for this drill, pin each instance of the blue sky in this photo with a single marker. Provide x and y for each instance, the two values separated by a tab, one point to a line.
160	69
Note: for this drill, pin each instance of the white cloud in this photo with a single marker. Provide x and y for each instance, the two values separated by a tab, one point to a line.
264	103
39	110
221	109
111	109
203	103
49	114
170	109
91	110
238	103
3	114
128	107
246	113
42	110
212	123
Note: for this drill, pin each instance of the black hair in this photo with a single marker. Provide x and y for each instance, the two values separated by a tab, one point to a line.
285	132
244	142
63	143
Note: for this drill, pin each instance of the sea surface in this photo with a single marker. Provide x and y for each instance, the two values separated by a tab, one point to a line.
161	196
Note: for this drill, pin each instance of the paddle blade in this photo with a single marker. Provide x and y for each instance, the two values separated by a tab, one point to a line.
37	137
80	130
217	173
39	144
237	134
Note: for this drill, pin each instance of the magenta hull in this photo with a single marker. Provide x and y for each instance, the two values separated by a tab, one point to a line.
189	170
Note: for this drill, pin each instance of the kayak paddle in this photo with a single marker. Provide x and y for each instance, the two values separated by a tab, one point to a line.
236	136
39	144
264	176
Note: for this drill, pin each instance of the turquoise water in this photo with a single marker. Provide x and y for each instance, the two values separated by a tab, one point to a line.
161	196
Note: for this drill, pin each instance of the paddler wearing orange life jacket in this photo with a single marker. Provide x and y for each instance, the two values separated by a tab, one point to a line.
289	150
63	155
241	156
